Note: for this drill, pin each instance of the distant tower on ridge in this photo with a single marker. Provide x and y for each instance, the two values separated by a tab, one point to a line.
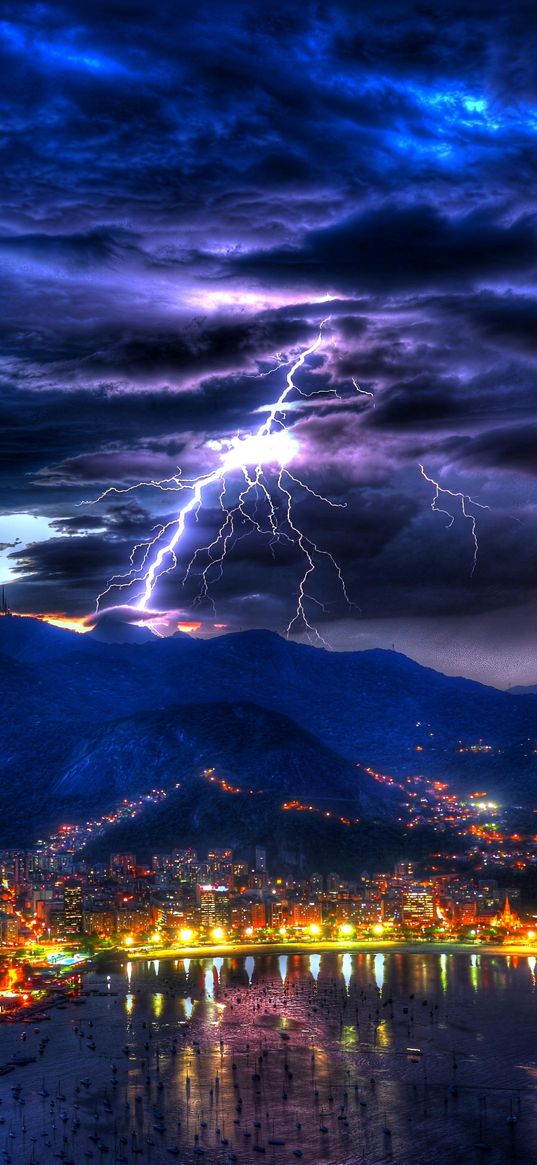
4	609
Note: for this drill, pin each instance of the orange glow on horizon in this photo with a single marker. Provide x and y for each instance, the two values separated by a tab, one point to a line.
76	623
81	624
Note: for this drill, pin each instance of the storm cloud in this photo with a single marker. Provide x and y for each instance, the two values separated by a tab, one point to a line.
187	193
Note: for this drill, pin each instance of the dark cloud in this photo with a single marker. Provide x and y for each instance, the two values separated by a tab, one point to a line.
181	189
403	247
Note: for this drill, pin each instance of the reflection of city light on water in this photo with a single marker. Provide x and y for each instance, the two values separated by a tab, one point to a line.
532	961
218	964
443	972
189	1007
156	964
249	965
474	971
378	971
315	966
346	970
209	983
186	965
158	1004
129	973
282	963
129	1003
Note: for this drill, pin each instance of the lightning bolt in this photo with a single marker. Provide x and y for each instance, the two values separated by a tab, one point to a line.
363	391
464	500
264	505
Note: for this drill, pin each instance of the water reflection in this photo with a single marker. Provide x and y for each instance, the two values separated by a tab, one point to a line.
209	982
474	971
409	1042
346	970
315	966
378	971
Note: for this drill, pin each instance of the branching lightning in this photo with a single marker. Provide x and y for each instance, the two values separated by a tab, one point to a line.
464	500
264	505
363	391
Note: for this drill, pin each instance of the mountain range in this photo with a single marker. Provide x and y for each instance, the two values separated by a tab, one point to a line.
84	723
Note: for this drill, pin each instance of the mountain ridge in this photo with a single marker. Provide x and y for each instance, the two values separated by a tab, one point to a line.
64	691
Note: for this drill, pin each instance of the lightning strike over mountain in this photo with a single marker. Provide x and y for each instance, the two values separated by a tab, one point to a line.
264	505
464	500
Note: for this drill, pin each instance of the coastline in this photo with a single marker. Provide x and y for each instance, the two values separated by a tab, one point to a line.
227	950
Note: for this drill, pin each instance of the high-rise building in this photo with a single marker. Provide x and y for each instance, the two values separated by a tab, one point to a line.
185	865
214	906
100	921
222	906
207	907
418	906
123	864
73	908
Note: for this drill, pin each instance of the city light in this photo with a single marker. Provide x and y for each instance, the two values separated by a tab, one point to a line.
314	929
378	928
186	935
218	933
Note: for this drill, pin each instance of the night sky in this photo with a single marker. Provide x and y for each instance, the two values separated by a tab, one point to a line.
187	191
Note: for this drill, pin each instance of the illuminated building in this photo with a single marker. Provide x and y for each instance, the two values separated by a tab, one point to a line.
124	864
207	907
507	920
9	928
305	913
418	906
220	866
258	915
100	922
185	865
12	866
214	906
73	917
240	873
